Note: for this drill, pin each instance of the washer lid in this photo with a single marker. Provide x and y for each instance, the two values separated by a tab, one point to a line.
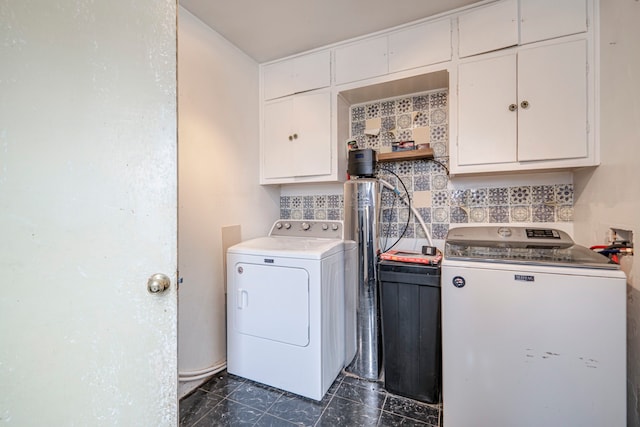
289	247
521	245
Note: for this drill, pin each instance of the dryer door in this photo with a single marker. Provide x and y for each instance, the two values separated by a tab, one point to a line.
272	302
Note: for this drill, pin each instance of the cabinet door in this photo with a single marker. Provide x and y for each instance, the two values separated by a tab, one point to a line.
487	128
276	147
421	45
361	60
547	19
553	80
488	28
297	136
307	72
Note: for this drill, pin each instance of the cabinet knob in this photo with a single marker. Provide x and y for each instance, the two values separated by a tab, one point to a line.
513	107
524	104
295	136
290	137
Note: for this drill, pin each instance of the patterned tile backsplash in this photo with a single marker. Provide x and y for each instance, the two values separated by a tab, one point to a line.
438	202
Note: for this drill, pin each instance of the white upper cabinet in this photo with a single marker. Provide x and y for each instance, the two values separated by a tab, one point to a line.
518	22
296	139
299	74
488	28
421	45
524	109
547	19
361	60
411	47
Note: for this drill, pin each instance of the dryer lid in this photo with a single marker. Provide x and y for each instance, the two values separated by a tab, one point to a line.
289	247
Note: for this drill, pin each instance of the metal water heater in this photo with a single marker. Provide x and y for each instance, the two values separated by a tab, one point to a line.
361	217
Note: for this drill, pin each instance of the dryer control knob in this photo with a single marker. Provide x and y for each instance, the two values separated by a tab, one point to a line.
325	227
504	232
287	225
305	226
278	225
334	227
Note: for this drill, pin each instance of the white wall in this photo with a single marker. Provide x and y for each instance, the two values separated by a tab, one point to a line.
217	181
610	194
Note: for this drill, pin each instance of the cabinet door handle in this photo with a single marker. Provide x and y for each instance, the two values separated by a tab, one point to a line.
524	104
513	107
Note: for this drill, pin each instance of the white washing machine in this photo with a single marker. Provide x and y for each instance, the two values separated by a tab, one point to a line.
533	331
285	307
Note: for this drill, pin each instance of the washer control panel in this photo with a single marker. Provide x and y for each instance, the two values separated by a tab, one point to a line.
308	228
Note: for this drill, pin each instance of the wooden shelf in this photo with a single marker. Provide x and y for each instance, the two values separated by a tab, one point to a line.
398	156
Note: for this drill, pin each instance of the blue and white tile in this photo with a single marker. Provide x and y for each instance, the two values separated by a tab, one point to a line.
438	116
404	121
358	113
404	169
296	202
564	213
285	202
422	167
439	181
388	108
498	196
520	195
460	197
440	214
285	213
439	133
439	198
543	213
459	215
334	201
334	214
421	119
421	183
425	213
478	214
372	110
404	105
357	129
421	102
564	194
389	215
439	231
439	149
438	99
478	197
520	213
543	194
498	214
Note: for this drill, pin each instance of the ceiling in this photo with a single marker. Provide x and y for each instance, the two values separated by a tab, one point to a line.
271	29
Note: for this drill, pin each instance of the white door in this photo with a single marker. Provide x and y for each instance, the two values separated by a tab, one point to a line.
553	125
87	213
487	126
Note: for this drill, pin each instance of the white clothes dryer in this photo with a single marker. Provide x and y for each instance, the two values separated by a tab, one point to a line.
285	307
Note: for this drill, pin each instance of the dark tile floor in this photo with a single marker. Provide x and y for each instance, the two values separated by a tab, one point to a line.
228	400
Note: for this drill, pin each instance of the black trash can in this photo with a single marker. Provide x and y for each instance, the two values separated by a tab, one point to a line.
411	339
